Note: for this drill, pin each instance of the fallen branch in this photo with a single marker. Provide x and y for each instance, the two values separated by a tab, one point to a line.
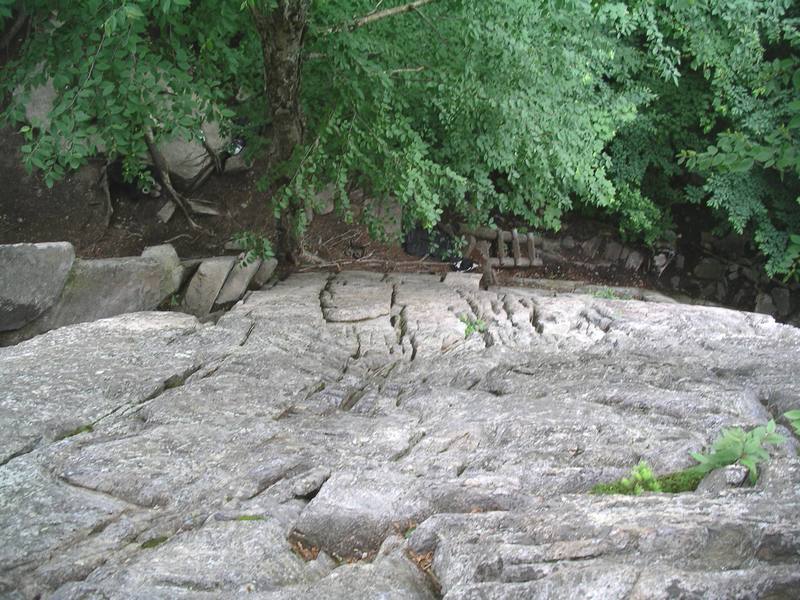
405	70
379	15
177	237
376	261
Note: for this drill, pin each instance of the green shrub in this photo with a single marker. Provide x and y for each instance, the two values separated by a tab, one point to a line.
794	420
473	325
640	480
737	446
254	247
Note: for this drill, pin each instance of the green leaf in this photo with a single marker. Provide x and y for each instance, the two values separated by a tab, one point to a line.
133	11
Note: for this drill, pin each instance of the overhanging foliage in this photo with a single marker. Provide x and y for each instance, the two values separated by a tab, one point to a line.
479	108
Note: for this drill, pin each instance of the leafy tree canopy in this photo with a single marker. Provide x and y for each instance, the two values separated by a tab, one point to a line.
521	107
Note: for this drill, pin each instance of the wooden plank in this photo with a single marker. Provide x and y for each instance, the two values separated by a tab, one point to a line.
484	249
515	249
484	233
501	249
531	248
470	246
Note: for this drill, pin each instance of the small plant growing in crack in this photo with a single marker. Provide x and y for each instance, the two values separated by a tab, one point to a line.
609	294
154	542
793	416
253	246
250	518
734	446
739	446
472	325
88	428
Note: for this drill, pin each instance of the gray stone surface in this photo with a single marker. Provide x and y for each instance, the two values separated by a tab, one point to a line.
237	282
187	159
709	268
612	251
264	274
765	305
96	289
172	270
31	279
347	418
206	284
634	261
782	299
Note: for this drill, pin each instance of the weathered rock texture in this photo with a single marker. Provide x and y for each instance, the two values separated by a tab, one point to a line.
31	280
347	418
95	289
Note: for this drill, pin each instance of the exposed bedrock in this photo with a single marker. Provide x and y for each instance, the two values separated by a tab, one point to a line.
338	436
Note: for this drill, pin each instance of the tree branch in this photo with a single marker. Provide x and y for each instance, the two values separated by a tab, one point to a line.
22	17
381	14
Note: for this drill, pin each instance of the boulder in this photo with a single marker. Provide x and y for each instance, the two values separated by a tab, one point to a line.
96	289
264	274
238	281
38	103
324	200
782	300
172	269
709	268
206	284
765	305
32	277
189	158
591	246
634	261
612	251
387	214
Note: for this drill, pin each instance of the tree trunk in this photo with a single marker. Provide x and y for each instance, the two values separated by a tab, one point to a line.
282	33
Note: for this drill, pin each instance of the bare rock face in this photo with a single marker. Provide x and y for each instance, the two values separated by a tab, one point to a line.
338	436
96	289
31	279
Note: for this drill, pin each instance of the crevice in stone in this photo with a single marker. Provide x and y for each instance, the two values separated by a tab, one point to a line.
248	333
404	333
26	449
172	382
477	313
309	496
314	389
424	562
326	289
533	315
352	399
416	438
107	496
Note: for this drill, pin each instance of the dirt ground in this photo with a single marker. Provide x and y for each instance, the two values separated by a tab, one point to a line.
130	223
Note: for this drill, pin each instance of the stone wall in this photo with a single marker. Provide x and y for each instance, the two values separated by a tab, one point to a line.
44	287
